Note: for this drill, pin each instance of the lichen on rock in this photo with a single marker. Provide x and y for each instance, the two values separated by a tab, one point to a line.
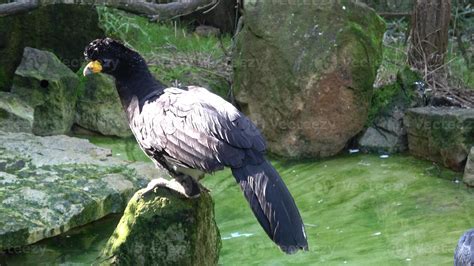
441	134
163	228
386	132
49	185
99	108
49	87
304	72
15	114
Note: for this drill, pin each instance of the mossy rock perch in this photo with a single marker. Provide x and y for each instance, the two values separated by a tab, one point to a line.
162	228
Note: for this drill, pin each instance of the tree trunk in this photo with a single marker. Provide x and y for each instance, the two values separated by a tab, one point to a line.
429	36
165	11
427	50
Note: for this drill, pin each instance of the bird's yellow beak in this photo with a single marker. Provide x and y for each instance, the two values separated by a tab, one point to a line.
93	67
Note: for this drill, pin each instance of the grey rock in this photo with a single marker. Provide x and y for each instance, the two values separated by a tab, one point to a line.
99	108
469	169
15	114
304	73
50	88
387	134
441	134
53	28
49	185
162	228
207	31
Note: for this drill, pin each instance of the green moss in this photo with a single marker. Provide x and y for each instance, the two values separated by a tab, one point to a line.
469	132
66	39
401	93
3	80
381	100
14	239
4	114
165	229
407	78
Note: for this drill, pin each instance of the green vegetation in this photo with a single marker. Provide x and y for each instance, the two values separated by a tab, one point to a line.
460	72
401	92
394	59
382	99
173	53
149	37
395	79
368	31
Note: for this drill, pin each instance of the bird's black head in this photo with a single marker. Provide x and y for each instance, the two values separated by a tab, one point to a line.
111	57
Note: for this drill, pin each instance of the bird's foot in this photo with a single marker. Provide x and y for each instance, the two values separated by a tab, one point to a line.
154	184
184	186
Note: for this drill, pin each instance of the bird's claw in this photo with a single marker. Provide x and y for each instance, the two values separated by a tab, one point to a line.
153	184
172	185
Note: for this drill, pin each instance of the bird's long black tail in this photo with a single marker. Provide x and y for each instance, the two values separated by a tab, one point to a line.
273	205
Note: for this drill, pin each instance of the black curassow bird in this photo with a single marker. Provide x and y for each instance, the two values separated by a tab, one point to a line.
190	131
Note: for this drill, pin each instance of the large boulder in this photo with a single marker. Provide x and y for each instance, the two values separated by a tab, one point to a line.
49	185
162	228
441	134
50	88
469	169
63	29
15	114
99	108
304	72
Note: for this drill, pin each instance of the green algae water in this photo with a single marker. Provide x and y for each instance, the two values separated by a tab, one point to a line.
358	210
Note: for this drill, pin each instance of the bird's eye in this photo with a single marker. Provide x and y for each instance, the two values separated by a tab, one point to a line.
107	63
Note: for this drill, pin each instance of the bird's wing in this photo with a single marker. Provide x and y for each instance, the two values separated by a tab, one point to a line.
200	130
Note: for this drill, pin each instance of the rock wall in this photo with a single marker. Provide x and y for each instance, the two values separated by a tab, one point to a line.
444	135
304	72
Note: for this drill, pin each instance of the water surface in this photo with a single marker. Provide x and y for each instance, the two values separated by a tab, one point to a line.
358	210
